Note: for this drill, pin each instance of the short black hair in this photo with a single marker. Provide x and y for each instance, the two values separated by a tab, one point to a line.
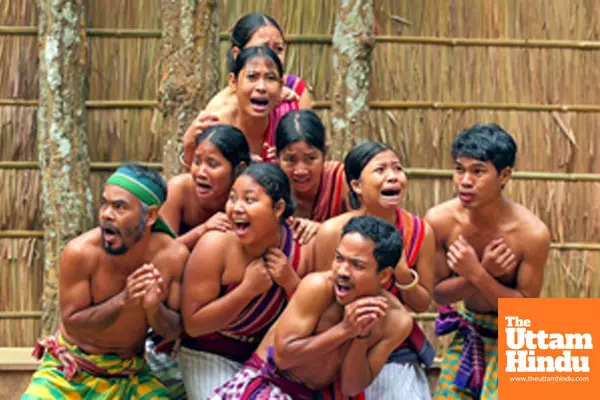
300	126
152	175
486	142
387	238
244	29
276	184
232	144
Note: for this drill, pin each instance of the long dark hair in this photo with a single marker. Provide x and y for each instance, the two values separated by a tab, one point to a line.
300	126
231	142
275	182
355	162
244	29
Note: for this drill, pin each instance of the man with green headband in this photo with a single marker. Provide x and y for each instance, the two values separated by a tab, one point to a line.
116	281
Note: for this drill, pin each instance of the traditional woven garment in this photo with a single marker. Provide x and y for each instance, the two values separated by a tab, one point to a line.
66	372
470	366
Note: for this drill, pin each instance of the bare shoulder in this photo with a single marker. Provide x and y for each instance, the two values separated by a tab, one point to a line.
333	226
315	288
82	252
442	217
531	227
171	254
179	182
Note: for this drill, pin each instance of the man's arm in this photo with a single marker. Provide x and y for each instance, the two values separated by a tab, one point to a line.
418	298
447	288
295	343
77	310
361	365
165	319
530	274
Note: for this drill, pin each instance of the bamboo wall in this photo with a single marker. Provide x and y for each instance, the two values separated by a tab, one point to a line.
125	69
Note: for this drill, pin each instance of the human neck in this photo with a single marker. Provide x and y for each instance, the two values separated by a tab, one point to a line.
387	214
271	239
255	130
487	213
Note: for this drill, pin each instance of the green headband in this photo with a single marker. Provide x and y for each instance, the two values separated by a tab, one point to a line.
145	190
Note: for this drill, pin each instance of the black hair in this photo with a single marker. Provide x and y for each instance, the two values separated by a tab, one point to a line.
300	126
152	175
486	142
244	29
231	142
355	162
253	52
387	239
276	184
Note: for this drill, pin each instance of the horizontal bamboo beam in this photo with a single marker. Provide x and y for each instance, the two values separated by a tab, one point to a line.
376	105
94	166
327	39
519	175
411	172
24	234
20	314
438	105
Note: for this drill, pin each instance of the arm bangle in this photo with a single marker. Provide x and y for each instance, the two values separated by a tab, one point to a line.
410	285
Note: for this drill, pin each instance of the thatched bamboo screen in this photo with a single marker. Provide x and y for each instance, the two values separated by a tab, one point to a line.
438	66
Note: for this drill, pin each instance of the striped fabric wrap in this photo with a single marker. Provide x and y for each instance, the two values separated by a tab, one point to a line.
67	372
470	366
329	202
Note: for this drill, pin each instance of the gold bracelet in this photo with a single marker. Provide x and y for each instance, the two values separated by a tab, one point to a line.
410	285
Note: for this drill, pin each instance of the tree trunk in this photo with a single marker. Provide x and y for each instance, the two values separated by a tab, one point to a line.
353	44
189	70
62	141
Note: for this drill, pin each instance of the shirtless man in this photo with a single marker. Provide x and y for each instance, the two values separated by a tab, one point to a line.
340	324
116	281
487	247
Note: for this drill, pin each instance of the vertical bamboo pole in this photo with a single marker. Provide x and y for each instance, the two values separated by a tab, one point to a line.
353	43
62	141
189	69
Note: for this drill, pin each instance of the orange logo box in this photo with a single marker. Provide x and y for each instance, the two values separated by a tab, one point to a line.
548	349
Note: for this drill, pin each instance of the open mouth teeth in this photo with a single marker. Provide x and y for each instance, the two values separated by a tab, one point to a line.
203	185
109	231
390	192
260	102
242	224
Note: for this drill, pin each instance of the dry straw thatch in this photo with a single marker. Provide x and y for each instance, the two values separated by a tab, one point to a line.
125	69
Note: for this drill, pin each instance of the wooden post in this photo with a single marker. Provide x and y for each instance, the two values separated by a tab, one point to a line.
353	43
62	141
189	70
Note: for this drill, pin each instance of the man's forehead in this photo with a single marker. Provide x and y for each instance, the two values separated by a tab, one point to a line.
354	245
468	161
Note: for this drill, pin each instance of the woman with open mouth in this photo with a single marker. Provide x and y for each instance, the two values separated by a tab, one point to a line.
237	282
377	185
318	186
196	201
195	205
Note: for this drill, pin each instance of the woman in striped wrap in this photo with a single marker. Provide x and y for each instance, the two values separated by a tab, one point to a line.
377	184
237	283
318	186
255	29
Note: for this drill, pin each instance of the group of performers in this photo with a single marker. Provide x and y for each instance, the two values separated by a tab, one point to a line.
267	272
